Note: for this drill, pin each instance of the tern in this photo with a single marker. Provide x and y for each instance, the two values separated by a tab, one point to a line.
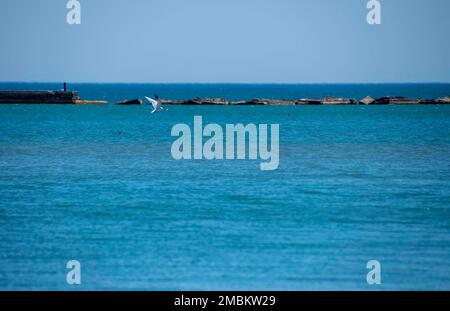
155	103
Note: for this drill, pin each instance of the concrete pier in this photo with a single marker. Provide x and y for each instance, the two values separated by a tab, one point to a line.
38	97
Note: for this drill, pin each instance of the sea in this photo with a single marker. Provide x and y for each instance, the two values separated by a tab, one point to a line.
98	184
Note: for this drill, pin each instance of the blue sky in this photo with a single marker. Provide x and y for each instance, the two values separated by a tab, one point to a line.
259	41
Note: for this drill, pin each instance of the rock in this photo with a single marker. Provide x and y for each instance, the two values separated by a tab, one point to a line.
263	101
206	101
256	101
381	101
396	101
367	100
403	101
338	101
130	102
171	102
309	101
428	102
445	100
239	102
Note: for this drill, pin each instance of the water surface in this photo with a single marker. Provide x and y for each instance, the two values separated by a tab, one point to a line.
98	184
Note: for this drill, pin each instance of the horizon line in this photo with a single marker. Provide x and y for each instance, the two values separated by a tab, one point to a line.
240	83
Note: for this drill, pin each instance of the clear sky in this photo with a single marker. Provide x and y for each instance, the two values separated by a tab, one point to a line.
260	41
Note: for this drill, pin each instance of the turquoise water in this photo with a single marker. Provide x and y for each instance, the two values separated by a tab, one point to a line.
98	184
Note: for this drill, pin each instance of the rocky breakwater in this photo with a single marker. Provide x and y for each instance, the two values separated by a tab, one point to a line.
327	101
225	102
403	101
71	97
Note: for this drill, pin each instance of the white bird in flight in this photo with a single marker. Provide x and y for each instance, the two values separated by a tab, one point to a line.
155	103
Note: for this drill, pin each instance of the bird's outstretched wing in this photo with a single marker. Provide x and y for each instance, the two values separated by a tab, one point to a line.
152	101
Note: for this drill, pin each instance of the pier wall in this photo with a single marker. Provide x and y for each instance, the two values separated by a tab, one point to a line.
38	97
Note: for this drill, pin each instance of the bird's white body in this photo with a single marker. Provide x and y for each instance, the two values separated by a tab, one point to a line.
155	103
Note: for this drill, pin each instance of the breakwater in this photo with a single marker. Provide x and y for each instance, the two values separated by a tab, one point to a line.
71	97
312	101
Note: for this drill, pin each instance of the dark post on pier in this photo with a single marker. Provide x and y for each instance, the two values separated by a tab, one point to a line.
65	87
